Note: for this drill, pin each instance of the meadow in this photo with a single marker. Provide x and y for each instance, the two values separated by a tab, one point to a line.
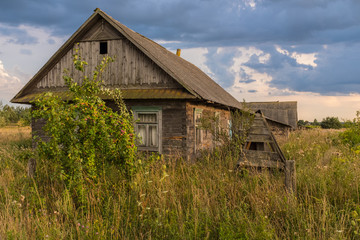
177	199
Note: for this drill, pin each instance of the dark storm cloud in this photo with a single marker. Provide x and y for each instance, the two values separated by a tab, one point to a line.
301	26
202	22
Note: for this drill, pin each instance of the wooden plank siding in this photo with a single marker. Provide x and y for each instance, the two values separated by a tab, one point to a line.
131	68
207	141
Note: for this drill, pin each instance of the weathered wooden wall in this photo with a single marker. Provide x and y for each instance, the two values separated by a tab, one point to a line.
178	127
208	139
173	123
131	68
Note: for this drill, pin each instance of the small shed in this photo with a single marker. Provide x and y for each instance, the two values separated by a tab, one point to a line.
281	115
261	151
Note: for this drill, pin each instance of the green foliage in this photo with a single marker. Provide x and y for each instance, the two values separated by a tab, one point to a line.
302	123
86	136
315	122
331	122
230	138
351	136
11	115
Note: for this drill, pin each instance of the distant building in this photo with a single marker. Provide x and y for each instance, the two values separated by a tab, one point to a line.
280	115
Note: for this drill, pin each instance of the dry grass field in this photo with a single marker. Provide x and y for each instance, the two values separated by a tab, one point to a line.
205	199
14	133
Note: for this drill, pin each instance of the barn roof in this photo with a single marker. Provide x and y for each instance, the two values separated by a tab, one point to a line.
281	112
195	81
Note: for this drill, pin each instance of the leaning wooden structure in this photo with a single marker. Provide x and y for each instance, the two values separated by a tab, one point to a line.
261	151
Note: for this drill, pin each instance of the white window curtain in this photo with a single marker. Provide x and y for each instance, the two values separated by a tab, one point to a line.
148	129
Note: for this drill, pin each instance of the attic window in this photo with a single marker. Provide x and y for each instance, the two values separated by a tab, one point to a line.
103	47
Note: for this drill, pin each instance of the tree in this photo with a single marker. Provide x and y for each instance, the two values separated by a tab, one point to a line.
86	136
331	122
302	123
316	123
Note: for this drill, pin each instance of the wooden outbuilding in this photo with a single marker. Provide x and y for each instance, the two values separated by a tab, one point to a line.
281	116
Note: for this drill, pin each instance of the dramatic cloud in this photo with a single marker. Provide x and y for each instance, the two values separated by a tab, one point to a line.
253	48
206	22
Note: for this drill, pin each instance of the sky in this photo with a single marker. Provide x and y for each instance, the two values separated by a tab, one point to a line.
258	50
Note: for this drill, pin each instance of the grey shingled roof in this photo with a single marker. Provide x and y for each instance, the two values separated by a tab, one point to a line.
188	75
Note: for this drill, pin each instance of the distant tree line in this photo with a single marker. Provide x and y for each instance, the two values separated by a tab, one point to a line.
14	115
326	123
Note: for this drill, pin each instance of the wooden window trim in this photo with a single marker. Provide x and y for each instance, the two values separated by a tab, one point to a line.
158	111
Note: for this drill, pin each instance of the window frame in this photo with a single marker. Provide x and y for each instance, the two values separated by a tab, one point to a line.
149	110
197	128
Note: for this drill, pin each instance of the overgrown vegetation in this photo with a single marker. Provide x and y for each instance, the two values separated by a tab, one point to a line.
205	199
87	139
82	192
11	115
351	136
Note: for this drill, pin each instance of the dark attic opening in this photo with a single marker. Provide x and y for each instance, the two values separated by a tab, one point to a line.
103	47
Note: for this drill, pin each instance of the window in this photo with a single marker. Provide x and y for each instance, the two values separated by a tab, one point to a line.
230	128
198	130
148	128
217	126
103	47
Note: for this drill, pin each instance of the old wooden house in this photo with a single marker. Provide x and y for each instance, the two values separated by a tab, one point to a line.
167	94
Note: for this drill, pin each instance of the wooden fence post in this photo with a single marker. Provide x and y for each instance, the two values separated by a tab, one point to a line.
31	167
290	176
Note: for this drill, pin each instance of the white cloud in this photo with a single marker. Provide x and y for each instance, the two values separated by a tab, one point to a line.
37	52
197	57
305	58
9	84
19	60
301	58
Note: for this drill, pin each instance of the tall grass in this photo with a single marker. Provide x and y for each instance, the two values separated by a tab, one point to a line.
176	199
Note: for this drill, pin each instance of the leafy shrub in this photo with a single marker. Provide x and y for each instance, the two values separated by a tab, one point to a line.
352	135
331	122
85	134
10	115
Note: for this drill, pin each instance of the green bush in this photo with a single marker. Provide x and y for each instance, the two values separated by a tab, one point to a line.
86	136
351	136
331	122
